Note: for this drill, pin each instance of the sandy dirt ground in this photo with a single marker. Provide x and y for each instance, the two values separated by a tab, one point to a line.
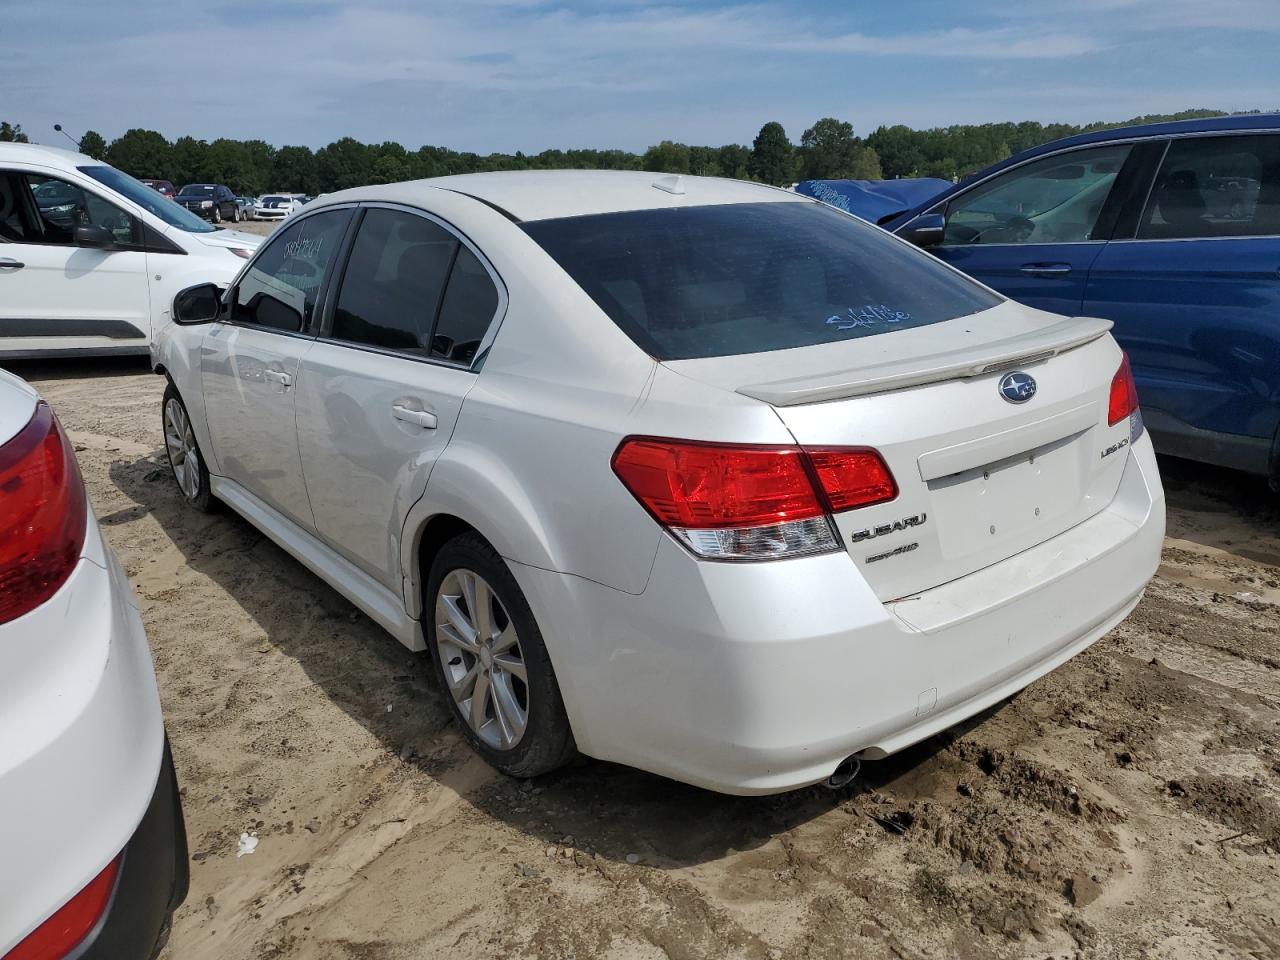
1128	805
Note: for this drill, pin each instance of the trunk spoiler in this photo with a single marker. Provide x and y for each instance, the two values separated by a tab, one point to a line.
974	361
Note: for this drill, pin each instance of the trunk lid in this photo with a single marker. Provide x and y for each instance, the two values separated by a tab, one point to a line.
980	478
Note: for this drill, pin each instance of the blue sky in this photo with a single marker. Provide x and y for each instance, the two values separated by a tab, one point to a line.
506	75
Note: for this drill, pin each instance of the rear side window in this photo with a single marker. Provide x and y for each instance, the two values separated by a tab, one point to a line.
1215	187
393	283
715	281
279	290
470	303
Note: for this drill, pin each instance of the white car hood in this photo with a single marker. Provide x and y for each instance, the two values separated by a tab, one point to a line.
17	404
230	238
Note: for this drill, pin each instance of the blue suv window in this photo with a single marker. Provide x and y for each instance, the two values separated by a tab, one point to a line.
1215	187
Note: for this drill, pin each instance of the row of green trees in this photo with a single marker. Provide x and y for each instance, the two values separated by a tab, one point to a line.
828	150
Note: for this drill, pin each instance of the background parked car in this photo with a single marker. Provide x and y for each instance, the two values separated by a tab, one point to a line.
90	258
164	187
1170	230
212	201
276	206
246	207
95	852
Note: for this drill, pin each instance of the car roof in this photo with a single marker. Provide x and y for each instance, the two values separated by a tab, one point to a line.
545	194
1172	128
39	153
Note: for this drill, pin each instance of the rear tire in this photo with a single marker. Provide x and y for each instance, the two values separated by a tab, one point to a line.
494	654
186	462
235	217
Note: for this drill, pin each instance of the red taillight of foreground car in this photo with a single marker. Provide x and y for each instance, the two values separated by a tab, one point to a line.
43	512
71	923
745	502
1124	394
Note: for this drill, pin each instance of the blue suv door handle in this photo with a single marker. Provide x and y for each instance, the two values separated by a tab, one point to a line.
1045	269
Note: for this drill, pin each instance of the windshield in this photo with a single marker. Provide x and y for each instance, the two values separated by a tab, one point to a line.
196	190
149	200
274	199
715	281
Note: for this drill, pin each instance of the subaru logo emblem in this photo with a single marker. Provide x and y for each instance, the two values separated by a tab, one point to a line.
1017	387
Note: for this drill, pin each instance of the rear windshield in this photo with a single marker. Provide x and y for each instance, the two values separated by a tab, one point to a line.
713	281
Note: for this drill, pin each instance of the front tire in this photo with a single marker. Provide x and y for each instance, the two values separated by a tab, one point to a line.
186	463
491	662
217	214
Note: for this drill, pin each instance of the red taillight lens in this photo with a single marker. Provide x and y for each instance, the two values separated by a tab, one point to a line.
750	502
71	923
1124	394
709	485
852	478
43	512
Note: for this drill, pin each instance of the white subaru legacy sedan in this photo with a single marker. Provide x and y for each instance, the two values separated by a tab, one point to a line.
94	854
689	474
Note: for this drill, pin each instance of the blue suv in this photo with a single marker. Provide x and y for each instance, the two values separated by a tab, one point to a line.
1170	230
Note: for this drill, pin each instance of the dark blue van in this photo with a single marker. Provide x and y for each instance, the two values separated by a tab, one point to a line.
1172	231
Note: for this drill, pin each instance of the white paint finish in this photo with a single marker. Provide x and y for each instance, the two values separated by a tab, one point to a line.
66	282
249	410
79	718
364	466
17	405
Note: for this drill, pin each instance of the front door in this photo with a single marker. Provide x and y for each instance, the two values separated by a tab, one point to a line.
55	295
381	390
1034	231
250	365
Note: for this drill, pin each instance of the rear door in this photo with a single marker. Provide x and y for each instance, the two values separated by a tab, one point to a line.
380	392
56	295
1033	232
249	366
1194	290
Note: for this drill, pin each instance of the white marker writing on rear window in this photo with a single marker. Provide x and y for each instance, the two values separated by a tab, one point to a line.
868	315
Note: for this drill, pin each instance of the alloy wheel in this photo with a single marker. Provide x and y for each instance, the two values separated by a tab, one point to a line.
184	455
483	663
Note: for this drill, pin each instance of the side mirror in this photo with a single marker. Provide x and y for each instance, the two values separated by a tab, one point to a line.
92	235
199	304
925	230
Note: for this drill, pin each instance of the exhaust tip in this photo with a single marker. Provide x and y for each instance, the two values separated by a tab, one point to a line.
844	774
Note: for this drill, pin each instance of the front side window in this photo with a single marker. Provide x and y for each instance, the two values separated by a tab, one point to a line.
1056	199
150	200
714	281
393	283
61	206
280	288
1215	187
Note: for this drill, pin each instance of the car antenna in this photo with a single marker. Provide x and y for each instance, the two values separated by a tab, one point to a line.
673	185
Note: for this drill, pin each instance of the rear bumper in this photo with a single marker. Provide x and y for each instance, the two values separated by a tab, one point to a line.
152	883
81	744
758	678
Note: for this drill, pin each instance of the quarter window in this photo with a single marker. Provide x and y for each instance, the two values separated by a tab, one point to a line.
1215	187
279	290
470	302
1056	199
393	283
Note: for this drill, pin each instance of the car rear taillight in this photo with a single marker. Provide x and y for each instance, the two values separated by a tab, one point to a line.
1124	394
43	512
58	936
748	502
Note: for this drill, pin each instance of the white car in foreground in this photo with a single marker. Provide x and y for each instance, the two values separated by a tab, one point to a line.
95	857
90	258
694	475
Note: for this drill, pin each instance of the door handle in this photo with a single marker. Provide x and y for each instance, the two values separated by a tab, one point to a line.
278	376
1045	269
421	418
8	263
